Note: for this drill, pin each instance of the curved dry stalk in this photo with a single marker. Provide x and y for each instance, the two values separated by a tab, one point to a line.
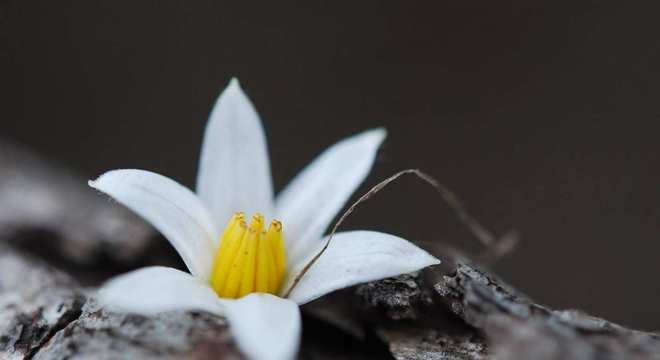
483	235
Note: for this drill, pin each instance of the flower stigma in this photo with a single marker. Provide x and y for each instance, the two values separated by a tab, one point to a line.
250	258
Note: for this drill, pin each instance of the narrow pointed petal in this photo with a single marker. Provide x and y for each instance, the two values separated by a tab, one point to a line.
171	208
234	170
310	202
157	289
264	326
356	257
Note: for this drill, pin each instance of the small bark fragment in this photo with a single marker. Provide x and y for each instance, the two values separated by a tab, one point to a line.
410	342
402	298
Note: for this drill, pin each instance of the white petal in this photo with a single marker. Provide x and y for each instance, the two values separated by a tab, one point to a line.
356	257
234	171
170	207
152	290
264	326
308	204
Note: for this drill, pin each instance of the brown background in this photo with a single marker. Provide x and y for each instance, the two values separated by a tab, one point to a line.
543	116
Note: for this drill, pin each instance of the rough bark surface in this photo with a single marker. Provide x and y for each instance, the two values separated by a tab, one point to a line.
36	301
45	315
50	219
502	323
96	334
518	328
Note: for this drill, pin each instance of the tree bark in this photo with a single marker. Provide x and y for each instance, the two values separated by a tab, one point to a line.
56	232
495	321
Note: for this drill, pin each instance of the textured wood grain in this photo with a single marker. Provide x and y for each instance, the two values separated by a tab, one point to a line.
491	320
50	219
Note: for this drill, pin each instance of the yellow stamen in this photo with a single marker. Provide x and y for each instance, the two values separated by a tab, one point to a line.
262	271
277	242
234	222
229	247
249	259
272	274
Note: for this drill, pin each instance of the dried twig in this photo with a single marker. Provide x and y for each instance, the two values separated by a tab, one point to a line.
497	248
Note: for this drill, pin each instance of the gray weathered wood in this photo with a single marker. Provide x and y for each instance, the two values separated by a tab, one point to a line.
40	198
456	311
44	314
502	322
36	301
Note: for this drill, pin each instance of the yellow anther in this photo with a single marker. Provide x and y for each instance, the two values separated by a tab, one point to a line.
249	258
257	223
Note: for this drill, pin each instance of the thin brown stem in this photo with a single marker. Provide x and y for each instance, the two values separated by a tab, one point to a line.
483	235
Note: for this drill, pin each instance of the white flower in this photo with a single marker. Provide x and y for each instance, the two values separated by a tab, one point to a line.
254	267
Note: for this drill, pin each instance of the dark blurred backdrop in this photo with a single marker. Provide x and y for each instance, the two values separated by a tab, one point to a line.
543	116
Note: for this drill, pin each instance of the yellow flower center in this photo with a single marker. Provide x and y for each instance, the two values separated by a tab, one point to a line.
250	258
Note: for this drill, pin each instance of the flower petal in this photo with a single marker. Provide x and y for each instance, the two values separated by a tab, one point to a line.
234	171
157	289
356	257
264	326
170	207
310	202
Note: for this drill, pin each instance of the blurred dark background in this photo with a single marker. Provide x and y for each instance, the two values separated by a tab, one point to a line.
542	116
